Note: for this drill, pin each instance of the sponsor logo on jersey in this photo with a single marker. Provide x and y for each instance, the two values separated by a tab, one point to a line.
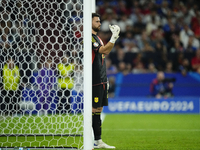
96	99
96	44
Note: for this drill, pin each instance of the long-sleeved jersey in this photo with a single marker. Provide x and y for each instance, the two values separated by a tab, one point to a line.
98	62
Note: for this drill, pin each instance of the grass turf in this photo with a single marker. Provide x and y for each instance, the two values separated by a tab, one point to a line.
152	131
42	131
138	132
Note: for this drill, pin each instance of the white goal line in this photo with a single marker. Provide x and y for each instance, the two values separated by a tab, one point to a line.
158	130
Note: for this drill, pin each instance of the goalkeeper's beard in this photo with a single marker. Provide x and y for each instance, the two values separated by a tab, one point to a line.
97	29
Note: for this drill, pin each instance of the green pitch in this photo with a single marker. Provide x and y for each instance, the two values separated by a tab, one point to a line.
133	132
42	131
152	131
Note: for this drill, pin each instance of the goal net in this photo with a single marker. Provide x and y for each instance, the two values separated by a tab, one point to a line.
41	82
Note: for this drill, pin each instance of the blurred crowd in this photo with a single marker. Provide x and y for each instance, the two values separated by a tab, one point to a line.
156	35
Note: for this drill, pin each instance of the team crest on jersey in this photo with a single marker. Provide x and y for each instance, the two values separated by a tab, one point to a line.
96	44
96	99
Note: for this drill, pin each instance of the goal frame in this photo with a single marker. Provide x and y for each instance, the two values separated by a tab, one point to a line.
89	7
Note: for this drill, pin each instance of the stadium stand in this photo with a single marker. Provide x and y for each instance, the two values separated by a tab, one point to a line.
162	34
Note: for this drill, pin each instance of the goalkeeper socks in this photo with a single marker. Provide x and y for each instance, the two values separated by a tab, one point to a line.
96	124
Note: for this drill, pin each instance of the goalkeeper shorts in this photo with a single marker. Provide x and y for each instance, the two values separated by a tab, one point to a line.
99	96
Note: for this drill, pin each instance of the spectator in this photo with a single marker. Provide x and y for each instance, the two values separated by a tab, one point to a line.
160	47
102	7
151	68
141	40
11	90
185	67
65	83
139	68
161	86
153	18
131	47
195	24
171	34
129	43
46	81
120	55
128	38
136	14
151	26
195	62
178	47
157	37
139	25
128	68
148	47
109	19
192	43
167	21
124	68
184	35
110	68
163	7
122	9
169	67
175	44
185	14
145	7
124	22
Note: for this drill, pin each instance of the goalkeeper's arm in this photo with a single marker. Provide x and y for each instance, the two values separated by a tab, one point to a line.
115	35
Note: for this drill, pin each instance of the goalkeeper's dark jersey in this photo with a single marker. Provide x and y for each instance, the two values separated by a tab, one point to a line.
98	62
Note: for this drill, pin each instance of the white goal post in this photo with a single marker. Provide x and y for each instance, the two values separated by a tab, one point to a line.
46	74
87	75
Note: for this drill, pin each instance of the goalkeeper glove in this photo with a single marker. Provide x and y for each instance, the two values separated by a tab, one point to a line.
115	33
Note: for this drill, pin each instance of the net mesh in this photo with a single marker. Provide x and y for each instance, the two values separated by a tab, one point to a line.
41	73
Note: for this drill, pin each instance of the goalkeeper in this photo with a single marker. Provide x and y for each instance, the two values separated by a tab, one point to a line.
99	78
